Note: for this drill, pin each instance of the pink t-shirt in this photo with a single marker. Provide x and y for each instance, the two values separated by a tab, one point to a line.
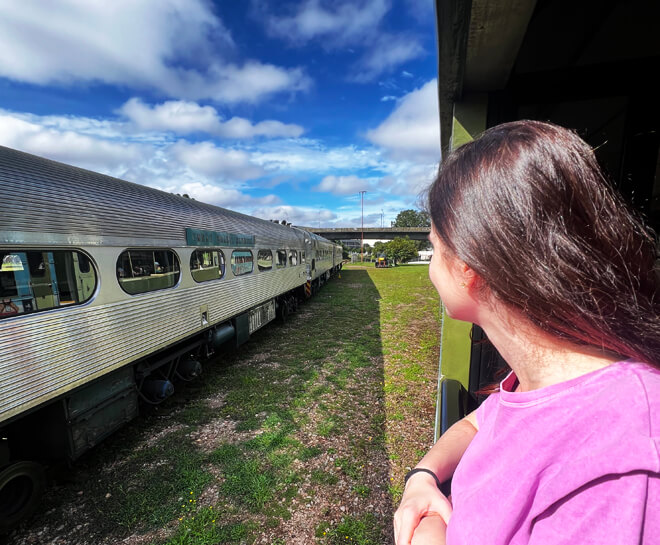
573	463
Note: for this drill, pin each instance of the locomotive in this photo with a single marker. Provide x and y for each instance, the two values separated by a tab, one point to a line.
113	292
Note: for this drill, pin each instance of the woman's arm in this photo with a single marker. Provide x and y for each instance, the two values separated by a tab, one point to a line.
431	530
421	496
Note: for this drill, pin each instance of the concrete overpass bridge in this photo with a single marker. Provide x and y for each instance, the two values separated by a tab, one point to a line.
348	233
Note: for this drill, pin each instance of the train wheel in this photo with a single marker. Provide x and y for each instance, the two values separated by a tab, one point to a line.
21	487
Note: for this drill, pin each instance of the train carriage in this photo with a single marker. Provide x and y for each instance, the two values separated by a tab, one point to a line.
110	292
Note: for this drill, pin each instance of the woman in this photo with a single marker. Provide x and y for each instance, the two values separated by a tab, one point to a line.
532	244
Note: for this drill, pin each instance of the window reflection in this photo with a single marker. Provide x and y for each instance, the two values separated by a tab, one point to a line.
140	271
37	280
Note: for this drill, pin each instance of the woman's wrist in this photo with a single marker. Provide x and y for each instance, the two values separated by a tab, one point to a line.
422	471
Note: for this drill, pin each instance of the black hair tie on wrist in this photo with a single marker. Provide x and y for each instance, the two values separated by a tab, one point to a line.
421	470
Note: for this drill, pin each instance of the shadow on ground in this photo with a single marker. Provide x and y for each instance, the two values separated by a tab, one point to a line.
282	441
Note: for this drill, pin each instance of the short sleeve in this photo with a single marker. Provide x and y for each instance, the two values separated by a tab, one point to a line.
611	509
486	408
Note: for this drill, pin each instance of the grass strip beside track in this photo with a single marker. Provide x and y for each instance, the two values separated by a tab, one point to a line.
302	435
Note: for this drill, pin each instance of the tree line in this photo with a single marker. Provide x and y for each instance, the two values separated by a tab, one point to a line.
401	250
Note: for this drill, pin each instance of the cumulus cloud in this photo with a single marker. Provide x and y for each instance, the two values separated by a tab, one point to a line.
217	195
306	155
185	117
67	146
298	215
178	47
342	185
412	130
208	159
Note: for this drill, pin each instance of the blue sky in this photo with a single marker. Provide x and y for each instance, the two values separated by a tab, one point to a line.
279	109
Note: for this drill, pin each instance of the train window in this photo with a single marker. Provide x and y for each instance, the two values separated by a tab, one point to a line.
36	280
207	265
302	257
281	259
265	260
293	257
242	262
140	271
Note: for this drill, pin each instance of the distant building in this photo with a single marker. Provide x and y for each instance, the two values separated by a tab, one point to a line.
425	255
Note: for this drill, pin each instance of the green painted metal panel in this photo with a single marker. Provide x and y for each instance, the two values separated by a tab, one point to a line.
202	237
455	349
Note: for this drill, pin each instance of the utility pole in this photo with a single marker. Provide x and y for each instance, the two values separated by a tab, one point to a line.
362	241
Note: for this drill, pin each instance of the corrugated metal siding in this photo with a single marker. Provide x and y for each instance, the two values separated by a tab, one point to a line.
45	196
47	354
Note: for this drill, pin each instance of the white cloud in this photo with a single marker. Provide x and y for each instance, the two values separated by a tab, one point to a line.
386	53
297	215
142	44
206	158
217	195
340	24
387	98
67	146
184	117
412	130
342	185
306	155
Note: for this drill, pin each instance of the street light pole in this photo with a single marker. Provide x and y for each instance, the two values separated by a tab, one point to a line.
362	240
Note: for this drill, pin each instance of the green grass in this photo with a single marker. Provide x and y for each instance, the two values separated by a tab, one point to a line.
311	406
361	531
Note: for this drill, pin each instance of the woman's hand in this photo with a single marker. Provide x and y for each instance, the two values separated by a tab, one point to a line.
432	530
420	498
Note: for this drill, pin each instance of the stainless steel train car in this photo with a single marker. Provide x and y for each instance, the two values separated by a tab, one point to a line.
110	293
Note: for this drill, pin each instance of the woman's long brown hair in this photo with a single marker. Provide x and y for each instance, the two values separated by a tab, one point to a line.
527	207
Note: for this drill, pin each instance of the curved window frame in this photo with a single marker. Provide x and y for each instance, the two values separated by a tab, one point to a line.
22	291
269	253
233	264
146	271
221	267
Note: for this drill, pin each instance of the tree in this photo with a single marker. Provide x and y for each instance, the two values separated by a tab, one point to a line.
401	249
379	247
412	218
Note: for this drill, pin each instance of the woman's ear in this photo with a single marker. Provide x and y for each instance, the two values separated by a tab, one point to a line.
469	277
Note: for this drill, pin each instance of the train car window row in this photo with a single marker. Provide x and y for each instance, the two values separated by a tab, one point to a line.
35	280
140	271
207	265
242	262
